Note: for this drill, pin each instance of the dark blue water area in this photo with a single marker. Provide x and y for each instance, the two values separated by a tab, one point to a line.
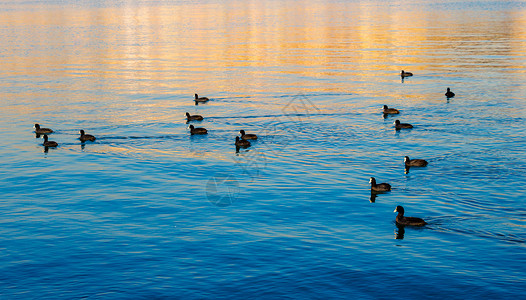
157	213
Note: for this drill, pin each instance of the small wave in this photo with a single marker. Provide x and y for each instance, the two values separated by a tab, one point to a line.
457	225
314	95
277	116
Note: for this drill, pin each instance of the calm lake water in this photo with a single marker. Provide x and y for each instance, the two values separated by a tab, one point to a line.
148	211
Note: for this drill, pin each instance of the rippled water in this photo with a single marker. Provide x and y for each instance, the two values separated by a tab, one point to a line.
148	211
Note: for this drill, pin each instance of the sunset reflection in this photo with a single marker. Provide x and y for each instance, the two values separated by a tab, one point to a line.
242	48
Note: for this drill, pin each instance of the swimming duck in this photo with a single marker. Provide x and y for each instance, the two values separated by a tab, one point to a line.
411	221
85	137
381	187
249	136
414	162
198	130
388	110
193	117
449	93
242	143
49	143
399	125
200	99
40	130
406	74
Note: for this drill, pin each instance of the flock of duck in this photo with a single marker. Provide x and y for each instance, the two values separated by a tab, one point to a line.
52	144
240	142
386	187
243	142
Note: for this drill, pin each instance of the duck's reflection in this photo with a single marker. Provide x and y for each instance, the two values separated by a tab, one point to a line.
399	232
373	197
240	149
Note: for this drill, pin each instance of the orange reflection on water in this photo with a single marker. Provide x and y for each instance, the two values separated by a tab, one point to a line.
241	47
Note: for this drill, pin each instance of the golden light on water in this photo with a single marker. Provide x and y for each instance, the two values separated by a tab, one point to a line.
243	48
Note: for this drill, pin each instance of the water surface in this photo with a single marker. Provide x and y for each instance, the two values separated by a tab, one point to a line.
148	211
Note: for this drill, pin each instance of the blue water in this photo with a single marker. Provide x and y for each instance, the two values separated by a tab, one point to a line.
148	211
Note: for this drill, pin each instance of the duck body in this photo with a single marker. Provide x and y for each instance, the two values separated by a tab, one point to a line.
41	130
193	117
409	221
198	130
414	162
249	136
388	110
399	125
406	74
449	93
200	99
86	137
48	143
242	143
380	187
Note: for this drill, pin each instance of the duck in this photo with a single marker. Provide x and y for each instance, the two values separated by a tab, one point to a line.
414	162
198	130
388	110
381	187
406	74
49	143
449	93
399	125
193	117
41	130
242	143
200	99
249	136
85	137
411	221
